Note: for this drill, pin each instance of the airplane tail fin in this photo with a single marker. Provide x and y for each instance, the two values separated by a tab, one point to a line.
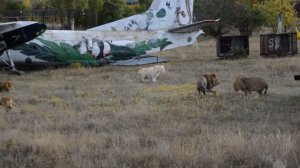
163	14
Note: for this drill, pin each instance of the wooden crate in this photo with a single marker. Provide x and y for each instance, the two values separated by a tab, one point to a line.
278	44
232	46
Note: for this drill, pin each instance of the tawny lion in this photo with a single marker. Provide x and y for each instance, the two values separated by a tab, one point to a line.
6	102
206	82
7	86
250	84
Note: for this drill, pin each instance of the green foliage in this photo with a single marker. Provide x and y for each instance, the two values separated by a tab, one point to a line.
95	5
112	10
3	4
59	4
11	5
247	17
270	10
42	4
197	9
145	4
242	14
214	9
78	9
129	11
70	4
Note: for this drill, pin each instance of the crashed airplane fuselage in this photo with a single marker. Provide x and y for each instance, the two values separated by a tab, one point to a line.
166	25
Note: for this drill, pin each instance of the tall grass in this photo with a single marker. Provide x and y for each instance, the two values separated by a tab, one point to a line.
105	117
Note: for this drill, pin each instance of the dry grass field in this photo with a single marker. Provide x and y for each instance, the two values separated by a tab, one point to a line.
105	117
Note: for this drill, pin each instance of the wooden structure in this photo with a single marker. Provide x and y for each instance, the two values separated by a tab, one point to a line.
232	46
278	44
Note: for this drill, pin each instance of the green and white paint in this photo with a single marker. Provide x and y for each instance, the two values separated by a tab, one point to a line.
60	46
66	54
163	14
128	38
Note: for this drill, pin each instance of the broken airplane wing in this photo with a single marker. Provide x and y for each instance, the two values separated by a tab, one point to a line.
192	27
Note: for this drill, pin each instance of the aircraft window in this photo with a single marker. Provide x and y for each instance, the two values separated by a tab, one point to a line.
19	36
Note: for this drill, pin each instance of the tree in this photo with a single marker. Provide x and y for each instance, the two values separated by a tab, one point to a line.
112	10
270	10
197	9
130	10
71	9
95	5
68	4
247	17
11	5
214	9
145	4
26	3
297	8
58	4
3	4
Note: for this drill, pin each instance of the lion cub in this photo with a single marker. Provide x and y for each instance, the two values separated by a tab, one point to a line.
250	84
6	102
7	86
206	82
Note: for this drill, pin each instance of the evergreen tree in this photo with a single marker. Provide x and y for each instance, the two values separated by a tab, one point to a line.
112	10
247	16
216	9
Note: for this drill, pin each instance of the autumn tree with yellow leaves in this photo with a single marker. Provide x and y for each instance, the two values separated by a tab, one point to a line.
270	9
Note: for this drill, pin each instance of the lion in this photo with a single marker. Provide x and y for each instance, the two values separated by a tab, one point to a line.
206	82
7	86
151	73
7	102
250	84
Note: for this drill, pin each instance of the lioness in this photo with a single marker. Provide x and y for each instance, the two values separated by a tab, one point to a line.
206	82
7	86
250	84
6	102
